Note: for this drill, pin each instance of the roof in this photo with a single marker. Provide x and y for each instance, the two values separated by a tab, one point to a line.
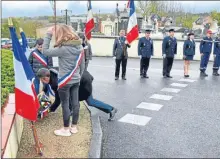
125	14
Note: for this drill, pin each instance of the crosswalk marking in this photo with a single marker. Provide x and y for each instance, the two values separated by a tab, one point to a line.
161	97
150	106
173	90
187	80
135	119
179	85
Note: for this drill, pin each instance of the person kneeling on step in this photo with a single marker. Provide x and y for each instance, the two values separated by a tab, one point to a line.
85	93
45	94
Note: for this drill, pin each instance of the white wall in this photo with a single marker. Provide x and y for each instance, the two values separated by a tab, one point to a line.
103	46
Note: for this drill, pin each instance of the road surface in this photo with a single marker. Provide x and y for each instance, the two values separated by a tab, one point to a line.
158	117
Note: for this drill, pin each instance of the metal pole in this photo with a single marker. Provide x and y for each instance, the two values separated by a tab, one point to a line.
66	14
55	18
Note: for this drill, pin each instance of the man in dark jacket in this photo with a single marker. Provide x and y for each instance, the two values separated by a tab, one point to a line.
120	54
37	60
169	50
85	93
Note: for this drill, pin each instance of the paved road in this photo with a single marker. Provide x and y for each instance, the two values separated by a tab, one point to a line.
176	118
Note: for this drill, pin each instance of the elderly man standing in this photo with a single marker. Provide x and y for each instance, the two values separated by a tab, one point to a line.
120	54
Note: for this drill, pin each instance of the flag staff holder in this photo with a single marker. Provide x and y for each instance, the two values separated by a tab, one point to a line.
38	144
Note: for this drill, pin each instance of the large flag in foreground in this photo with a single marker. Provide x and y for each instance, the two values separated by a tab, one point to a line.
25	46
132	31
26	102
90	22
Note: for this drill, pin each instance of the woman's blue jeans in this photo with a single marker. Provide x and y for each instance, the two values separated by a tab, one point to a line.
99	105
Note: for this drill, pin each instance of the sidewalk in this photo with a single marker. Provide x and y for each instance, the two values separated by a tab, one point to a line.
76	146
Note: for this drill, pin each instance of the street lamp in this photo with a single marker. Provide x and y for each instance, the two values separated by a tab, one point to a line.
66	11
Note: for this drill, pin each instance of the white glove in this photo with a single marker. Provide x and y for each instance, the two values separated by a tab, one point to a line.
140	57
164	55
126	42
114	57
86	47
214	56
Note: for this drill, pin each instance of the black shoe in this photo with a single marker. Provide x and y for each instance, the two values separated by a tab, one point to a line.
124	78
168	76
215	73
116	78
204	74
186	76
112	114
145	76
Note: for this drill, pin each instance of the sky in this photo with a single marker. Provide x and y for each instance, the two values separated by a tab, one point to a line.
40	8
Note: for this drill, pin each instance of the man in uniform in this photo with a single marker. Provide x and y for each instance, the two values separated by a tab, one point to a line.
145	51
120	54
169	50
205	51
216	53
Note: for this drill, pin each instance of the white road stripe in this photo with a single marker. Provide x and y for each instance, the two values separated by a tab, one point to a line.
187	80
161	97
150	106
135	119
179	85
172	90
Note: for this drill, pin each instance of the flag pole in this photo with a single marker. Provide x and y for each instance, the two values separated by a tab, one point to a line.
38	144
55	18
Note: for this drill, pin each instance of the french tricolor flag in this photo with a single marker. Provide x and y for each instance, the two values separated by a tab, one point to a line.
25	46
90	22
26	102
132	30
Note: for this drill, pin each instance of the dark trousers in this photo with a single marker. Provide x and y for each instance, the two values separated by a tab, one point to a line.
204	62
145	61
119	62
216	64
67	93
99	105
167	65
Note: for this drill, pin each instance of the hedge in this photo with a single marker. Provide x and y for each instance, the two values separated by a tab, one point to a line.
7	74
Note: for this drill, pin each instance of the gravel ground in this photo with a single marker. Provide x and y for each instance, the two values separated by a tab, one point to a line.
76	146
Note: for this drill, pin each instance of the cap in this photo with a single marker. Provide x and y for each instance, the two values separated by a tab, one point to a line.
209	32
191	34
40	41
43	72
171	30
147	31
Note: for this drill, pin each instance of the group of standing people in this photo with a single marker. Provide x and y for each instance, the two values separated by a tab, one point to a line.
169	51
72	82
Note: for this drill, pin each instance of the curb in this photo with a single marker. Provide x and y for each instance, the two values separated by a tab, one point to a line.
95	149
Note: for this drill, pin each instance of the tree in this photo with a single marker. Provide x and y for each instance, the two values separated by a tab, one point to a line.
216	15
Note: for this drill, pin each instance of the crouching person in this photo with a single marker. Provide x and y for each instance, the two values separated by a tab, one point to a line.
85	93
45	94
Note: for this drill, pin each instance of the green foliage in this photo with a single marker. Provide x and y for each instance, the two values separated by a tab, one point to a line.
7	74
29	27
216	15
